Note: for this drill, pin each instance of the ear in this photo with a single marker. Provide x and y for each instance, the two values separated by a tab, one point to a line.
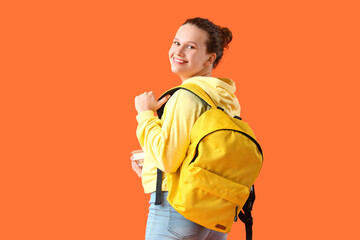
211	59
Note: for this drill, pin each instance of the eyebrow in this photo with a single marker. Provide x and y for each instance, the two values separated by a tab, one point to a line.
187	42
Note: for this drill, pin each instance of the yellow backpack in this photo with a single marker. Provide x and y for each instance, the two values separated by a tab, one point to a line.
223	161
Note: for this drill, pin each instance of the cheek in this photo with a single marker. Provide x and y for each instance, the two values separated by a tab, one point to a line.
197	60
203	59
171	51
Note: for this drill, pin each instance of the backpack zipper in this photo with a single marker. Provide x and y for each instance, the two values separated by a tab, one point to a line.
243	133
236	215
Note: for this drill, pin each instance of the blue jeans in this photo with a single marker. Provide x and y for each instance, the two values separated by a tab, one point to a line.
164	223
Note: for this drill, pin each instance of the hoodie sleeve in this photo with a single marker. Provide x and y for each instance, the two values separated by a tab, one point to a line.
166	141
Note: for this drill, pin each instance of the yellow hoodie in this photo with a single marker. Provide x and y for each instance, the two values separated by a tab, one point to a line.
165	142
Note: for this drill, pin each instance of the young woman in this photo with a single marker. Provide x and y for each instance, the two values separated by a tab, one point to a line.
196	50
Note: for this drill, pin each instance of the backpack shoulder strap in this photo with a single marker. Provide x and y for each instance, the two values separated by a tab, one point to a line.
245	214
198	91
191	87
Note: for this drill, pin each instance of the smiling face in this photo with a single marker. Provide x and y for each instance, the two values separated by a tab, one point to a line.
188	54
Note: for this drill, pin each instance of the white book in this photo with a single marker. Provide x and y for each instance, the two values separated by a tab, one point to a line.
138	154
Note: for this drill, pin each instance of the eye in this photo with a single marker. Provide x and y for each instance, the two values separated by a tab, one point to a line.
176	43
190	47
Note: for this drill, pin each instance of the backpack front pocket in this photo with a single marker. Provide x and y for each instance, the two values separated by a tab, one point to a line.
217	185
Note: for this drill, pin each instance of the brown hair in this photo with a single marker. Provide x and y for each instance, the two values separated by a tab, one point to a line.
218	37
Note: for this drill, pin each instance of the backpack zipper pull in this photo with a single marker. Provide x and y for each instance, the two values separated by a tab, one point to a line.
236	216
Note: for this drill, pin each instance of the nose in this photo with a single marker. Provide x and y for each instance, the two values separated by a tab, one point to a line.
180	51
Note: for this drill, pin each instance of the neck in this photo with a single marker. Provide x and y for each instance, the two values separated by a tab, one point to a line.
204	73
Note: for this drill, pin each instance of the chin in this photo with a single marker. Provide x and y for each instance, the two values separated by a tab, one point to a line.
175	70
178	71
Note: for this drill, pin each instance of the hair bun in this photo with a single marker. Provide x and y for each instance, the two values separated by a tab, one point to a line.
226	36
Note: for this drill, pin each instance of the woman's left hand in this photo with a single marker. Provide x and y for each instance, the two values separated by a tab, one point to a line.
147	101
135	167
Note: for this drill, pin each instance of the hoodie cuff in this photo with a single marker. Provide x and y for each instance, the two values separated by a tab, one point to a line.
144	115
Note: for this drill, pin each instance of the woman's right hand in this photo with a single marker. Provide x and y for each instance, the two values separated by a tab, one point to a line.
135	167
147	101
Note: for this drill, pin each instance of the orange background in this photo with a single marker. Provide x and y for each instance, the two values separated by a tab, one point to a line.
70	71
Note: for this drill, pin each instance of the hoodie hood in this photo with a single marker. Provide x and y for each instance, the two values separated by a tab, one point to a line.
221	91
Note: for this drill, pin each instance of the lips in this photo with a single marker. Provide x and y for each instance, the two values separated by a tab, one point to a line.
180	61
